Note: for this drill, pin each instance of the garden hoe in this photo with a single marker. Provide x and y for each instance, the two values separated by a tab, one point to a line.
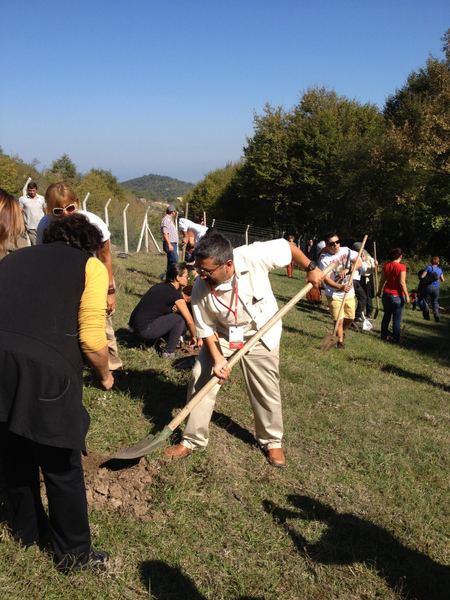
153	442
332	338
375	277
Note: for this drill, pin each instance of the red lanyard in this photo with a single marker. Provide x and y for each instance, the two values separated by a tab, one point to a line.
229	308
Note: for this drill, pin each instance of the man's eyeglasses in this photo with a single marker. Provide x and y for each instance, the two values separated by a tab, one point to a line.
60	210
202	271
334	243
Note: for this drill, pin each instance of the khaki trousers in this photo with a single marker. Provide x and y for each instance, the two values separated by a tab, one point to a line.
113	352
261	375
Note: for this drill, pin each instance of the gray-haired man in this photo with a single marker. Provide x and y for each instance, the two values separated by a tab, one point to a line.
231	300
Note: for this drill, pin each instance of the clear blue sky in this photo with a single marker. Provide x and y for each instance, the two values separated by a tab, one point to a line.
171	87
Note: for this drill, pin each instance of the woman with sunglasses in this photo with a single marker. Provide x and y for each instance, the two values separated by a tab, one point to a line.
163	312
62	201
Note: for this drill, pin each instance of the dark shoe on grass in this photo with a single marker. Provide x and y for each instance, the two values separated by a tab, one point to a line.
94	559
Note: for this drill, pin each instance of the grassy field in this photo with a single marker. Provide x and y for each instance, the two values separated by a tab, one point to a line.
361	511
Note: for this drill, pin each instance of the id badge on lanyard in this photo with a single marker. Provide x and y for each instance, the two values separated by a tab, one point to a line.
236	337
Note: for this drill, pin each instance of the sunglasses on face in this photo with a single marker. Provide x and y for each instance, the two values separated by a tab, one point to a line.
60	210
334	243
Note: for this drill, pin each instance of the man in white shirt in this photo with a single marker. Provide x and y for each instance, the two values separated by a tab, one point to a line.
192	231
33	209
338	287
232	299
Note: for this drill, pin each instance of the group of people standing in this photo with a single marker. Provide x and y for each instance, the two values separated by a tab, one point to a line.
43	343
357	295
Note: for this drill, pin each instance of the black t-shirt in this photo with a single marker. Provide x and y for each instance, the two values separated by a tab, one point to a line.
158	301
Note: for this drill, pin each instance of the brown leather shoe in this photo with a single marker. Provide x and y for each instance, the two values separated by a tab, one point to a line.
176	452
276	457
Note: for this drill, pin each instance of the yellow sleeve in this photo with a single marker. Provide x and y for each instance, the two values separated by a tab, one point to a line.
92	311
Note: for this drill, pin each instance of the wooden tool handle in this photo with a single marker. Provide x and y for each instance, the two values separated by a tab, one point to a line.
236	357
375	274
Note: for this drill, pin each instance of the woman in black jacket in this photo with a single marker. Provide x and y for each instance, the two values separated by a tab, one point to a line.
163	312
52	314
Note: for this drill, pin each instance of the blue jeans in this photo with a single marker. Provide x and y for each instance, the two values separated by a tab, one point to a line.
431	297
172	256
393	308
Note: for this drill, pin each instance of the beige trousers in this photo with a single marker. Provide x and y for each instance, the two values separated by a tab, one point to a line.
261	375
113	352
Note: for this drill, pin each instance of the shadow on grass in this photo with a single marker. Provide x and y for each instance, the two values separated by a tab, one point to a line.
414	377
128	338
159	394
164	582
233	428
435	346
394	370
350	539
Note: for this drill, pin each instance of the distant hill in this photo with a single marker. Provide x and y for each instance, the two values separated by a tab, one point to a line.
158	187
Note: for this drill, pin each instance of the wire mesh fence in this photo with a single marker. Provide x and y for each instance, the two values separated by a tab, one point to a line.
240	233
132	231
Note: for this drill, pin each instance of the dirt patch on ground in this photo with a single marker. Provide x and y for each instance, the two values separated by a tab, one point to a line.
120	485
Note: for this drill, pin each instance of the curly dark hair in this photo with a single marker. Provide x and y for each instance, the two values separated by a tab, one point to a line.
76	231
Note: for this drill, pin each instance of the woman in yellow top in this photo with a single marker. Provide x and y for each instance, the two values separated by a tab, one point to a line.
52	314
62	201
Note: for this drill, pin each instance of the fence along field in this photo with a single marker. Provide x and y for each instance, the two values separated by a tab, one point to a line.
145	235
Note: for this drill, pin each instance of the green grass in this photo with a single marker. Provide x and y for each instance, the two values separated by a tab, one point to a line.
361	511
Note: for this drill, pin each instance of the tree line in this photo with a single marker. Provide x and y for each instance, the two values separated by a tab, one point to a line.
333	163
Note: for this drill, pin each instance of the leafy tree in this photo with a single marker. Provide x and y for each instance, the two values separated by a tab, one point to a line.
9	174
210	194
263	178
64	169
418	116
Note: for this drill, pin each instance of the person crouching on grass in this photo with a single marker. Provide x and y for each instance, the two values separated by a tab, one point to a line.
231	299
338	285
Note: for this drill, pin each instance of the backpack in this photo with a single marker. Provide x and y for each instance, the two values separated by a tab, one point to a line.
430	277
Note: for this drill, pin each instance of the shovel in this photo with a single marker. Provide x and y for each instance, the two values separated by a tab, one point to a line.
153	442
375	277
331	338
